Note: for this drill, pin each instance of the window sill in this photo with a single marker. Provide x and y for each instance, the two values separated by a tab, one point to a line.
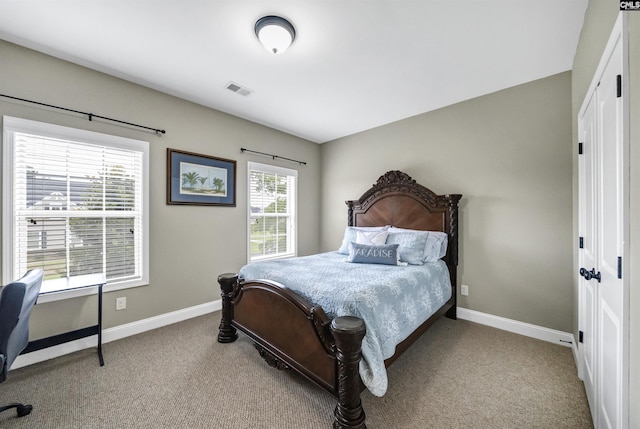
272	258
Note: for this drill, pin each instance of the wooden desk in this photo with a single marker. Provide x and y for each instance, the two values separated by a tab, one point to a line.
61	285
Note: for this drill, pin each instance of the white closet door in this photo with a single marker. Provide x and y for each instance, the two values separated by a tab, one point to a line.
602	203
588	255
610	245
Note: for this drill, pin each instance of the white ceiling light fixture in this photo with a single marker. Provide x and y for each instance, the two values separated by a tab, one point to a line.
275	33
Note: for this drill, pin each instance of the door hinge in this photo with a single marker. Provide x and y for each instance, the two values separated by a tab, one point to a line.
582	242
619	86
619	267
580	336
580	149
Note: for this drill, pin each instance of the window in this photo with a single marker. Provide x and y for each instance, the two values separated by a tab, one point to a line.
74	203
272	211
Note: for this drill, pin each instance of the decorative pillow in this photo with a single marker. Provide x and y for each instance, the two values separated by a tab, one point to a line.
435	245
365	254
411	245
350	235
372	238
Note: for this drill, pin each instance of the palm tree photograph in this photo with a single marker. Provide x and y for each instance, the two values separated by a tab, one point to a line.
198	179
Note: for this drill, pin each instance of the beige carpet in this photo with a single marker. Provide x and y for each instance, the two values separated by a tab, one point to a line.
458	375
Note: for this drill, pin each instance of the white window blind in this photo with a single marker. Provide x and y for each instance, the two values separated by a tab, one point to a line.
272	211
76	204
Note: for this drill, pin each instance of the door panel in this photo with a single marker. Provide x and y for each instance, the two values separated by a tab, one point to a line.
610	243
610	369
589	341
587	258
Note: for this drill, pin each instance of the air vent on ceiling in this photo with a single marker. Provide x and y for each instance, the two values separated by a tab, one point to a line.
238	89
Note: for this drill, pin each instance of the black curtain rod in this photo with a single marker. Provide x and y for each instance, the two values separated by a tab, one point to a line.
90	115
272	156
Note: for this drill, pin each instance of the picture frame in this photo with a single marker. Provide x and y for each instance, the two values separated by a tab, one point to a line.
201	180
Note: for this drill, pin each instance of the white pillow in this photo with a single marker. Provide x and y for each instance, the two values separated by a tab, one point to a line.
371	238
435	247
350	235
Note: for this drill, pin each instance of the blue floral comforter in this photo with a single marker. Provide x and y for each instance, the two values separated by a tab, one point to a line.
392	300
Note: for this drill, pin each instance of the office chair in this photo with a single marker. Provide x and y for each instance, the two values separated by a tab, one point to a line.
16	301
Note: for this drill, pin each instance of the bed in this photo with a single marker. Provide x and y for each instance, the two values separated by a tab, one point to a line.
334	343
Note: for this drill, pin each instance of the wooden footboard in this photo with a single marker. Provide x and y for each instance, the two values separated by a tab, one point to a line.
289	333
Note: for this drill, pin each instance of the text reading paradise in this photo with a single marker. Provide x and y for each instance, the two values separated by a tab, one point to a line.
374	253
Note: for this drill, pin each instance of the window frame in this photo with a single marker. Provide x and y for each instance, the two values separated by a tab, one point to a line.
11	126
268	168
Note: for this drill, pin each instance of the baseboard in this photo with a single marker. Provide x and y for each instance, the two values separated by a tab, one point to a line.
117	332
137	327
526	329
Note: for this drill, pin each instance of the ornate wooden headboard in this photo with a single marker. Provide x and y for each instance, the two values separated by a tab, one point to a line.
396	199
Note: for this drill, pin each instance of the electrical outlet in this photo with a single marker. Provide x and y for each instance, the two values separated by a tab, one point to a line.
464	290
121	303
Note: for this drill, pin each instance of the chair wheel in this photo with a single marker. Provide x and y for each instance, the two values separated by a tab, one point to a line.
24	410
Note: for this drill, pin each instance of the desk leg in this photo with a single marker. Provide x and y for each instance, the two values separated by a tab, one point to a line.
100	325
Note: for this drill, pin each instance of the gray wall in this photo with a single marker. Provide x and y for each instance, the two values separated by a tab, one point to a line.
599	20
189	245
509	153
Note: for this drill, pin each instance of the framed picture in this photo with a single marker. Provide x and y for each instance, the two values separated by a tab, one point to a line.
200	179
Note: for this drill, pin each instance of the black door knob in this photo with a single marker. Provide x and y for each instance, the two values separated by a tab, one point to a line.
585	273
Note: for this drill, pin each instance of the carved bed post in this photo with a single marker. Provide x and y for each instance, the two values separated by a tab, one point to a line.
452	201
348	333
227	333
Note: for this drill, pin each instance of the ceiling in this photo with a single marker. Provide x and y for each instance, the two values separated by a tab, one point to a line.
355	64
